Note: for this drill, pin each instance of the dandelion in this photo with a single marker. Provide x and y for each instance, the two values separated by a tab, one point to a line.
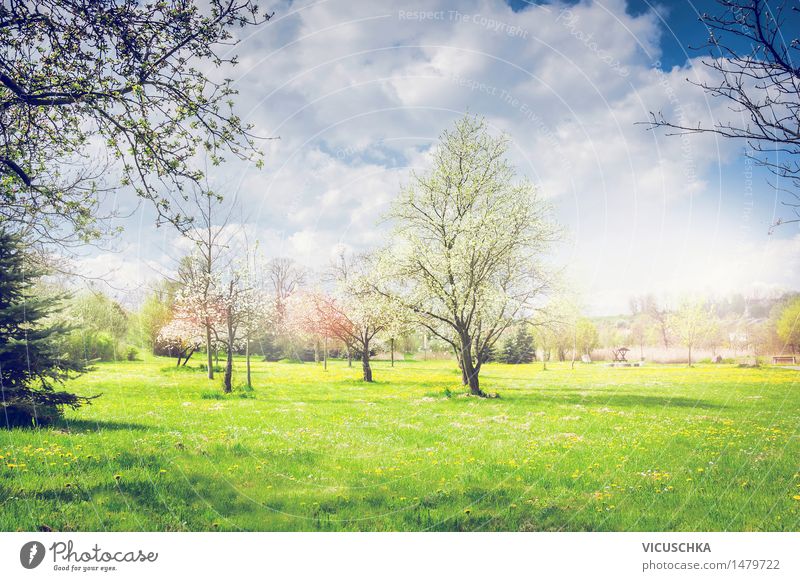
796	497
467	510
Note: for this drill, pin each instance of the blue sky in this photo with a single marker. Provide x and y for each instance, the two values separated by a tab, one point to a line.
358	93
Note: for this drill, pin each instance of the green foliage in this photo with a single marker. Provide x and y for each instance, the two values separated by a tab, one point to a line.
30	358
268	347
519	348
155	312
693	322
586	336
135	76
216	368
100	327
90	345
789	324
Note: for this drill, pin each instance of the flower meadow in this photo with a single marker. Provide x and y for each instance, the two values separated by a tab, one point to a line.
657	448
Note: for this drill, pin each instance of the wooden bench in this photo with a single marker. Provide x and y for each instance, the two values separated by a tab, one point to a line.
778	359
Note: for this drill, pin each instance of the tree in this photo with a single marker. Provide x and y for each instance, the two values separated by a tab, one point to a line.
788	326
692	322
234	307
100	325
197	295
754	52
639	328
466	243
154	313
660	316
181	336
133	76
519	347
286	278
586	336
31	360
199	272
714	334
545	333
256	311
358	312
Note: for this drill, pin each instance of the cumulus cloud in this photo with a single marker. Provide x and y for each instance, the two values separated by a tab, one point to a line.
359	92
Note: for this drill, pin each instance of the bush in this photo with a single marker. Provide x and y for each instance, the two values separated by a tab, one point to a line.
90	346
216	368
132	354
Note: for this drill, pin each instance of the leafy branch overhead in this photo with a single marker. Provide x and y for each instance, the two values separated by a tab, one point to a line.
753	63
135	77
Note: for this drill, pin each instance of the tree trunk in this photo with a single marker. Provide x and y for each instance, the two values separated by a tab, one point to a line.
365	363
185	361
316	351
247	355
325	355
391	344
349	356
690	355
208	351
468	368
464	380
229	362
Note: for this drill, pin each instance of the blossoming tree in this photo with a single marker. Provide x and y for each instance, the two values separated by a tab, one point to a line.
466	245
181	336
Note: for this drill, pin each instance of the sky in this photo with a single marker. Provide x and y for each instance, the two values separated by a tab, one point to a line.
357	93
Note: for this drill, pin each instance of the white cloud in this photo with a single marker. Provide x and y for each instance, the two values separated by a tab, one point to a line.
357	92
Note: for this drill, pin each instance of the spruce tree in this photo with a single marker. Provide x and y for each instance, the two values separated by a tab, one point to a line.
30	359
526	352
519	348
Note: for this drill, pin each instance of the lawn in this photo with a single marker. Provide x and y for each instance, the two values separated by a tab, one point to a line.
594	448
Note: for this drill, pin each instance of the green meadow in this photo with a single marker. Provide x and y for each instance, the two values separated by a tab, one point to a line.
662	448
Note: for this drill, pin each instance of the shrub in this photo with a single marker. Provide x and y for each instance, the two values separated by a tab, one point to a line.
90	346
216	368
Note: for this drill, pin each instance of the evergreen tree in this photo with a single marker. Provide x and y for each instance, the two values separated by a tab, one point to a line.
519	348
526	352
509	354
30	359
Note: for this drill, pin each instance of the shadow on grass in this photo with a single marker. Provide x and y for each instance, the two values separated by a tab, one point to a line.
126	499
613	399
82	425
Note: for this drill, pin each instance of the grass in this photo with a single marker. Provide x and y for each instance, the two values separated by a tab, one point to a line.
594	448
